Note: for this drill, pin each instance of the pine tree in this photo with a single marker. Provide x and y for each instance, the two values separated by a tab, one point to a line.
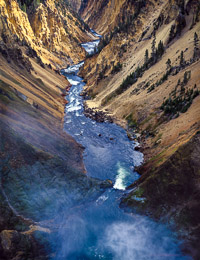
185	78
196	40
169	64
24	7
171	33
182	61
146	57
153	49
160	49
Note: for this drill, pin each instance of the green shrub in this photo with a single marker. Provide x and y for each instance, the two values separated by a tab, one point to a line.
179	104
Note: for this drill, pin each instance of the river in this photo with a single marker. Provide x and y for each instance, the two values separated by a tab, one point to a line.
100	229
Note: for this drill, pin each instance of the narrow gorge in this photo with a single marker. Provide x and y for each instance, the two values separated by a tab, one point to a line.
99	146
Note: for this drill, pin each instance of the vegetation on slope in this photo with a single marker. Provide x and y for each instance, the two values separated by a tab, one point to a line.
133	77
158	95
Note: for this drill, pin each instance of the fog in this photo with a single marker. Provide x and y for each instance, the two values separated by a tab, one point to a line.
92	236
141	240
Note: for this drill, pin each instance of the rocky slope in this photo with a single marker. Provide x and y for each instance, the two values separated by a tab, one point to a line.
146	74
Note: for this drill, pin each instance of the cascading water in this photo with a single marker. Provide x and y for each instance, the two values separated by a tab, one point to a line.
100	229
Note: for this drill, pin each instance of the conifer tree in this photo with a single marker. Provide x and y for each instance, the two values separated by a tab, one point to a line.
172	33
182	61
169	64
153	49
146	57
160	49
24	7
196	40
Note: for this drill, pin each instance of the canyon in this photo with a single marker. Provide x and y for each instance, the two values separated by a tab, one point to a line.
144	76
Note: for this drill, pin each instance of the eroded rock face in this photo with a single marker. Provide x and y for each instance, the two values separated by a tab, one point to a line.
46	27
57	32
15	21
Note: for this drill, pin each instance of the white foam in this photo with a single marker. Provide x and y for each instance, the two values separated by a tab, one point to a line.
73	108
90	46
101	199
71	98
74	68
122	173
68	121
78	114
73	82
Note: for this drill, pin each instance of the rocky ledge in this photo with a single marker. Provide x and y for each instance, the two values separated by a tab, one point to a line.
97	115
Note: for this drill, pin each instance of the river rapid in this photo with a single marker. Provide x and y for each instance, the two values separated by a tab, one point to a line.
100	229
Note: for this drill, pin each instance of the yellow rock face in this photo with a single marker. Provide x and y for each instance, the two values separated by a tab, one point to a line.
48	27
15	21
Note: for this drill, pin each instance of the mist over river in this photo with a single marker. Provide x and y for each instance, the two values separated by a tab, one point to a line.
99	229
